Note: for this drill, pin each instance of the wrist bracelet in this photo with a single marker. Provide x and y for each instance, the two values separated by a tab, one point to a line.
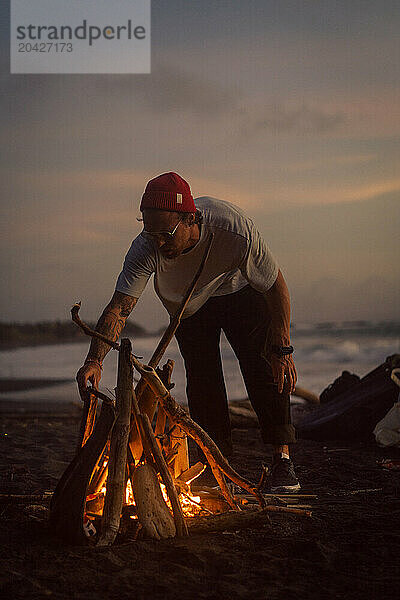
282	350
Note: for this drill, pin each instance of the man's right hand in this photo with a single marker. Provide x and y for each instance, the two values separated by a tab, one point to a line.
89	372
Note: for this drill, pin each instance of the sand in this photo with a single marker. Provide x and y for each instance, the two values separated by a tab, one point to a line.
350	548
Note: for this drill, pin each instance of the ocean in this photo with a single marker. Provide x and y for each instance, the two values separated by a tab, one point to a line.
322	352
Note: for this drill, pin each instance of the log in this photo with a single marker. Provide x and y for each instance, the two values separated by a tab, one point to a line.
305	395
69	498
290	497
232	520
190	474
151	508
181	528
285	509
228	521
212	503
116	482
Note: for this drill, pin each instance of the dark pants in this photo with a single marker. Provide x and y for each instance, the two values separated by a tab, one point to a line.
243	318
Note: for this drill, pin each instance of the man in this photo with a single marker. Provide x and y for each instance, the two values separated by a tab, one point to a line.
241	291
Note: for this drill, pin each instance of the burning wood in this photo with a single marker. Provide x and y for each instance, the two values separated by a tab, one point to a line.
152	510
116	483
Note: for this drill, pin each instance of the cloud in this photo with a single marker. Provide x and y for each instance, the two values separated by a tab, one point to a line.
314	192
171	88
336	160
302	119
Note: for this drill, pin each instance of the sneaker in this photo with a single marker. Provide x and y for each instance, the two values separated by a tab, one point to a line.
283	477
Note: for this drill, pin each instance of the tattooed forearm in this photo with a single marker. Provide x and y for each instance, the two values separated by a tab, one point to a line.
111	323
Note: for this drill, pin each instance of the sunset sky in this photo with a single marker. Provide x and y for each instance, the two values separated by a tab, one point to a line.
290	110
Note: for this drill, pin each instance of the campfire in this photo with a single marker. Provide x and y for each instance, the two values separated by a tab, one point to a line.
132	474
131	471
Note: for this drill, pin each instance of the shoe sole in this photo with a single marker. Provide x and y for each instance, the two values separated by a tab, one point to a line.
286	488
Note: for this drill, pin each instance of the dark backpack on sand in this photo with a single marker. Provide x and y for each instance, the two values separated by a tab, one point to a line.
352	413
340	385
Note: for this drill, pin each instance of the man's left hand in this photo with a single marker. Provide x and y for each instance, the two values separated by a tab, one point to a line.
284	372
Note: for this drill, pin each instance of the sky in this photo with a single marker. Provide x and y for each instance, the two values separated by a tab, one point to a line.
290	110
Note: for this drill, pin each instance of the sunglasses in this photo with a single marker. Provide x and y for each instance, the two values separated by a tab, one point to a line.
161	235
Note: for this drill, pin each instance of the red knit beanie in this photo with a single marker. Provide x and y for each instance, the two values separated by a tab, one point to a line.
168	192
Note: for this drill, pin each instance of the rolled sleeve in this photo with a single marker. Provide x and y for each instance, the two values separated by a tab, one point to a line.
139	265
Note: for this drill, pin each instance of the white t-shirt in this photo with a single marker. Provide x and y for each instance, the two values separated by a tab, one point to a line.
238	257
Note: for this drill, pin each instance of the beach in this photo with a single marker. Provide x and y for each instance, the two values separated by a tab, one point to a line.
348	548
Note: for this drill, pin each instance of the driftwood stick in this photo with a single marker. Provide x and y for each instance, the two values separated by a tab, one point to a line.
235	521
118	448
89	401
286	509
146	404
228	521
305	395
282	496
86	329
165	373
101	396
290	496
89	414
180	525
217	461
87	420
